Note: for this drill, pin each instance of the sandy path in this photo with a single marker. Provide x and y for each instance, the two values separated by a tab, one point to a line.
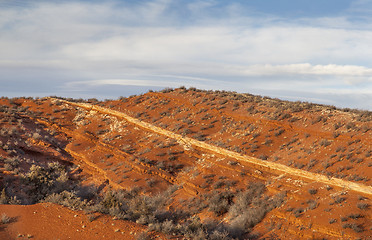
260	164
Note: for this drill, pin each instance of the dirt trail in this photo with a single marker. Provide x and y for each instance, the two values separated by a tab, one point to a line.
260	164
143	168
79	157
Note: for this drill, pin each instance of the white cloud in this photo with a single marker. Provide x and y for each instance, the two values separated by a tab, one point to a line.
138	44
122	82
308	69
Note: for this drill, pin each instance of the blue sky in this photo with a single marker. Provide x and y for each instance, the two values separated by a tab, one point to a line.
318	51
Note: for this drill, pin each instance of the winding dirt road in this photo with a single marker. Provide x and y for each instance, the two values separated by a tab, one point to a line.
259	164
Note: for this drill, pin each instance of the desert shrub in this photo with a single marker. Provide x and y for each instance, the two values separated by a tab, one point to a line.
263	157
339	148
172	158
293	140
361	198
336	134
294	119
299	165
102	131
186	131
312	204
363	206
313	191
332	220
219	235
231	183
318	119
285	116
357	228
355	216
246	220
249	209
67	199
255	135
337	125
5	219
209	176
200	137
276	158
219	202
151	182
339	199
350	125
167	90
324	143
130	205
254	148
219	184
244	199
42	181
36	136
326	164
298	212
268	142
3	197
12	162
127	148
161	165
8	167
279	132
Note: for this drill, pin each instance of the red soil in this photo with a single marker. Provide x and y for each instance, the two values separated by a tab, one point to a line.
51	221
142	142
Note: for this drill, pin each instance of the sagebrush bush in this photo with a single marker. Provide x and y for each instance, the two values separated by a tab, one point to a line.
313	191
363	206
357	228
3	197
67	199
43	181
5	219
219	202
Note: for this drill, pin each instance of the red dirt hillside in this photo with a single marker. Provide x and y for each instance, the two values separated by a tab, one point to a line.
184	164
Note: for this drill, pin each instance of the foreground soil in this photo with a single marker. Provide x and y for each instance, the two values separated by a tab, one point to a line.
51	221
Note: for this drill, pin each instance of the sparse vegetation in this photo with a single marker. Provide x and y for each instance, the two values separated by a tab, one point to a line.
116	154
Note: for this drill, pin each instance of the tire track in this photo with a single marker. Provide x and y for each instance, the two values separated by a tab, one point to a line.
260	164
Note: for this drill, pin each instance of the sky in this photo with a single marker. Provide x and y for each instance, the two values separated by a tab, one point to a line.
317	51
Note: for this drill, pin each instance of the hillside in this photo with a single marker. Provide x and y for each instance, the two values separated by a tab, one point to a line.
188	163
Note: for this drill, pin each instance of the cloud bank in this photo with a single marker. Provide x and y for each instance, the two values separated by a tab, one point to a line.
82	48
